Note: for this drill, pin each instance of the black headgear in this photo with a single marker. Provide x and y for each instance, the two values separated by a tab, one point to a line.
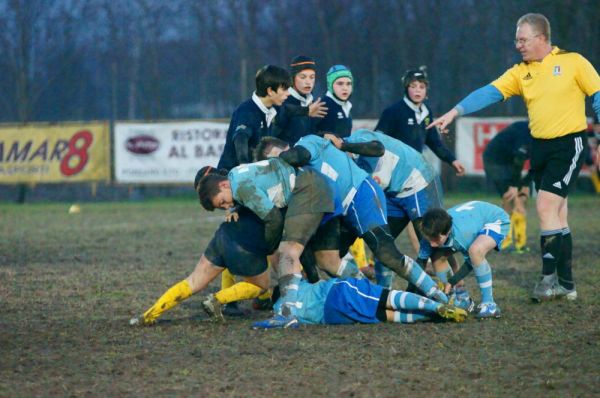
300	63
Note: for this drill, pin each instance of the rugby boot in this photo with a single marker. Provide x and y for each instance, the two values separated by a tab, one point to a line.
213	308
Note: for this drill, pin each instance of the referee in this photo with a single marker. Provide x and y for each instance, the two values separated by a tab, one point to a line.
553	84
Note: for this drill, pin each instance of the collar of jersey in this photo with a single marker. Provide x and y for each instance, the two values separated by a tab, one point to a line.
269	112
346	105
421	112
304	101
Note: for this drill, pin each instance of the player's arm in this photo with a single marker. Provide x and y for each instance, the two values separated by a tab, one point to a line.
434	142
462	272
297	156
386	122
242	151
369	148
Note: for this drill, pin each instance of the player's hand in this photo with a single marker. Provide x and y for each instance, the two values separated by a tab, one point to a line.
524	191
334	139
442	122
459	168
447	288
510	194
231	216
317	109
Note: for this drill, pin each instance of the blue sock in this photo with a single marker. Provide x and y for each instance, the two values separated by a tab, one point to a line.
383	275
409	301
288	286
483	274
420	279
443	275
349	269
461	293
410	317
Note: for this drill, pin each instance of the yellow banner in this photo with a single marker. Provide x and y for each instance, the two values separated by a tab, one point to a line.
66	152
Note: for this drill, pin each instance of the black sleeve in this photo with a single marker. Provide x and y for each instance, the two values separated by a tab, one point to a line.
386	122
242	152
462	272
434	142
296	156
371	148
273	229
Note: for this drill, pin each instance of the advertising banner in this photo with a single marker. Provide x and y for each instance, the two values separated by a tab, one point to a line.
166	152
472	136
44	153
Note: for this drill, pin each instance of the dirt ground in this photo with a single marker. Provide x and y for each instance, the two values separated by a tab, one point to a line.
69	284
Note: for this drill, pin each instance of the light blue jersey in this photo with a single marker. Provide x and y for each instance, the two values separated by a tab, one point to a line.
401	171
469	220
334	164
263	185
311	297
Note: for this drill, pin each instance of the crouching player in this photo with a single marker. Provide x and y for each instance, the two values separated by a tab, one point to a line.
345	301
473	228
237	246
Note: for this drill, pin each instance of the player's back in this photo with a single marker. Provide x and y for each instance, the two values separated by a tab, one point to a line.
514	138
401	165
470	218
334	164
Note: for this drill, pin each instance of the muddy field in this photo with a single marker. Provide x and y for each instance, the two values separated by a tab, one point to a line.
69	284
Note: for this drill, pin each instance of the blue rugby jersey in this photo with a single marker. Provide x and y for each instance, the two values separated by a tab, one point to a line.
401	171
263	185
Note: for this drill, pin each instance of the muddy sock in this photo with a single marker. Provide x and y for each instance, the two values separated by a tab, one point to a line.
288	286
239	291
173	296
564	269
551	245
383	275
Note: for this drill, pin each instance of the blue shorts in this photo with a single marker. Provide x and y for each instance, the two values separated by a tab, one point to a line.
368	208
497	231
352	301
415	205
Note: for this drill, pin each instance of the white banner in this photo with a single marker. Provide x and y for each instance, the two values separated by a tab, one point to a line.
431	158
472	136
166	152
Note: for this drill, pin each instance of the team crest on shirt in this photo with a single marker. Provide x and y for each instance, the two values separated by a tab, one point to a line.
556	71
340	115
427	121
411	121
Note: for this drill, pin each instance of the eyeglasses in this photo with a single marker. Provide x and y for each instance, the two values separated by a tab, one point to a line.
525	40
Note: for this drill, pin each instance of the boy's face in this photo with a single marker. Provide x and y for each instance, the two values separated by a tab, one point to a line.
342	88
437	241
417	91
224	199
304	82
278	97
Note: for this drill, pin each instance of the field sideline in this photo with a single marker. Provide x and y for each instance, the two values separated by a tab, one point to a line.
69	283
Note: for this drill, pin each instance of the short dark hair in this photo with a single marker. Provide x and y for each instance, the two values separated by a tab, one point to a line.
436	222
271	76
206	170
208	188
265	145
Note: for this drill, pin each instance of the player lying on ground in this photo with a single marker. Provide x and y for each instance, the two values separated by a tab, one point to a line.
473	228
345	301
237	246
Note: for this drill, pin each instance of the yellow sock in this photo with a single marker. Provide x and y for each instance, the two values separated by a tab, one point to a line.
595	180
358	252
508	239
520	230
175	295
266	295
237	292
227	279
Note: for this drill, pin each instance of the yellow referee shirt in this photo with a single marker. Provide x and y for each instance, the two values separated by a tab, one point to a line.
554	92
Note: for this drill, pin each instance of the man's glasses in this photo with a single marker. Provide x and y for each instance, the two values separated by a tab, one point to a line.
524	40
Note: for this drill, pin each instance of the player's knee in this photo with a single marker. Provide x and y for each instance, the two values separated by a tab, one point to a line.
477	253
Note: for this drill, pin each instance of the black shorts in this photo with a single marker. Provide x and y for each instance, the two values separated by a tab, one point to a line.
224	252
499	174
556	162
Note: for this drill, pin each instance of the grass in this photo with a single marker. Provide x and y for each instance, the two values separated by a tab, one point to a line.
69	283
